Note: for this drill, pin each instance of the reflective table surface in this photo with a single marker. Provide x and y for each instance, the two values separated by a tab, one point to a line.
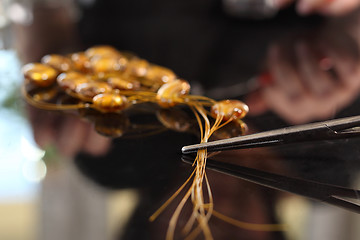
62	178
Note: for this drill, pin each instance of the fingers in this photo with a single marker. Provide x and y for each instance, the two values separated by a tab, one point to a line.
338	7
71	136
314	87
317	81
284	74
305	7
293	111
44	126
76	136
96	144
327	7
281	3
67	133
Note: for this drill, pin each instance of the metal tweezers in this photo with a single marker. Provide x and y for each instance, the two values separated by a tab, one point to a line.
326	130
330	194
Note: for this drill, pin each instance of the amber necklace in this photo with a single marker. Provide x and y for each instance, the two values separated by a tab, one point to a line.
108	80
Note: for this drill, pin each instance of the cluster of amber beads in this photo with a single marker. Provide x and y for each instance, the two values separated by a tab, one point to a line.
105	77
108	80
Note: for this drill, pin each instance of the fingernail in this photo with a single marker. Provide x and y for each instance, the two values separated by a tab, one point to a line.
304	8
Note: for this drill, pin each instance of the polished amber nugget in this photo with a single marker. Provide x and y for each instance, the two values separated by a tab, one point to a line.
91	89
160	74
229	109
101	51
40	74
108	102
168	93
119	82
107	64
80	61
70	80
60	63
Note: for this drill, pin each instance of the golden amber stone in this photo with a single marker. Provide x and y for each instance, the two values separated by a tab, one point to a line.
160	74
234	109
168	93
80	61
108	102
39	74
123	83
105	64
137	67
101	51
60	63
45	94
91	89
70	80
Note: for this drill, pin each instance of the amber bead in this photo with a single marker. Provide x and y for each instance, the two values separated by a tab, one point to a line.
39	74
168	93
108	102
45	94
101	51
91	89
70	80
60	63
137	67
123	83
80	61
105	64
160	74
229	109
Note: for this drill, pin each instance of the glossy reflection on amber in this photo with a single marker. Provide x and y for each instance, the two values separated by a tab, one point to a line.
137	67
174	119
39	74
112	125
102	51
109	63
80	61
119	82
109	102
230	109
169	92
70	80
235	128
59	62
160	74
45	95
91	89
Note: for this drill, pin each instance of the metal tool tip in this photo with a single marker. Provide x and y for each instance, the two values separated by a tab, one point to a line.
184	149
189	149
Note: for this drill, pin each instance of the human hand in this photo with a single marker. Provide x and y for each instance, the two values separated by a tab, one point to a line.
309	81
325	7
68	133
